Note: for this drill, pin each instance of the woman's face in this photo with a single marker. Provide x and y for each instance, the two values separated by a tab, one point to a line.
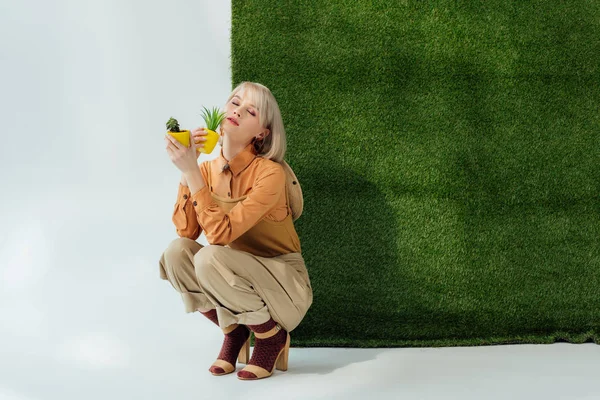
245	124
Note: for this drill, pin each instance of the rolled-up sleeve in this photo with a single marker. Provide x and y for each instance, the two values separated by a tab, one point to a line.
184	215
222	228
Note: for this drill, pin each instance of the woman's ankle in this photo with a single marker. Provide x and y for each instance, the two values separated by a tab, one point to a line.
230	328
264	327
212	315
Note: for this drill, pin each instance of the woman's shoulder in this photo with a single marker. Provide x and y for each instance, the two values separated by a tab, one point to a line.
263	164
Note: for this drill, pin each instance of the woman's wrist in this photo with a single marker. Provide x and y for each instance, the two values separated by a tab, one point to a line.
183	181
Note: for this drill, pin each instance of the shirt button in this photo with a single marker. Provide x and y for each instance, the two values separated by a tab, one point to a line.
185	196
195	203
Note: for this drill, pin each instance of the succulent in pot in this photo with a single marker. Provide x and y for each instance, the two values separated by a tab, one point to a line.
212	119
182	136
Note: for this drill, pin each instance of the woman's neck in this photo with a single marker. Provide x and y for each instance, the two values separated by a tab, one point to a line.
230	150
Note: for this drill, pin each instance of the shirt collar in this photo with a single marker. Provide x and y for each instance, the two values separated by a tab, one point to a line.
239	162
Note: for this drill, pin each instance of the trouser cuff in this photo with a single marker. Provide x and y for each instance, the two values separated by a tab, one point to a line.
193	301
227	318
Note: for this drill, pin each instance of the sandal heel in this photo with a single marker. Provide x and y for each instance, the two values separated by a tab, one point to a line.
244	355
282	360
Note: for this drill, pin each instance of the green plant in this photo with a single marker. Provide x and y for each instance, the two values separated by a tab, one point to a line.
213	118
173	125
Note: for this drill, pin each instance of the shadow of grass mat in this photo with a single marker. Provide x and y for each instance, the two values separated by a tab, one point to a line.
448	154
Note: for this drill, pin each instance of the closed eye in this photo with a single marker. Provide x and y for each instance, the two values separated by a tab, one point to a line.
248	111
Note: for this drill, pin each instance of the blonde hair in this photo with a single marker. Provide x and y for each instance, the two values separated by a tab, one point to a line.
274	145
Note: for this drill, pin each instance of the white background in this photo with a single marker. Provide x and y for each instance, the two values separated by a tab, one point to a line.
87	192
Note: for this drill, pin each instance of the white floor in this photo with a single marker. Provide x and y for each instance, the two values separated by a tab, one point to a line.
87	192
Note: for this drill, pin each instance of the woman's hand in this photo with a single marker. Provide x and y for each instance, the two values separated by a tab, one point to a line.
185	158
199	133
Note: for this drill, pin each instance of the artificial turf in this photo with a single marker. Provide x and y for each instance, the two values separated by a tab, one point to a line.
448	153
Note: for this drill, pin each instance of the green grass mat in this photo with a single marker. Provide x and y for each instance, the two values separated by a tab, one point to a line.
448	153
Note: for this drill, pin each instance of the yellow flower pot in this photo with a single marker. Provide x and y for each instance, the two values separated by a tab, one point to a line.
183	137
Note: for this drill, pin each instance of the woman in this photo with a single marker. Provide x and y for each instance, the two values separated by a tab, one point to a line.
252	276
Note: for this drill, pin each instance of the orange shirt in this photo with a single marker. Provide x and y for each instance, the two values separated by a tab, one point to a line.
261	179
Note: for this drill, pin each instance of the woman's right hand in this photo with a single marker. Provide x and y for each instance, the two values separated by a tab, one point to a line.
199	137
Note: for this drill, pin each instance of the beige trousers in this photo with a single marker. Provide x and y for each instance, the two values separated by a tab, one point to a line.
244	288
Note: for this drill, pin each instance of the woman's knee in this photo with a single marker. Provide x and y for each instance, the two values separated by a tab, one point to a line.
179	246
177	251
205	260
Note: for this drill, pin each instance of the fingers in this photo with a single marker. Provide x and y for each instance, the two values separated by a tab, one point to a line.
199	132
170	149
172	143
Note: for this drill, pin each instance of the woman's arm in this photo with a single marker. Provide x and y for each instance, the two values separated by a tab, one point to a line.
183	181
184	215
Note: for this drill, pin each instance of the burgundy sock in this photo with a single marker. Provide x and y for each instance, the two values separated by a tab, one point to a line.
265	350
231	347
212	315
232	344
264	327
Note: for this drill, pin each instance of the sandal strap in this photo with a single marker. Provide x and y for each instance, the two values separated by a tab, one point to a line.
268	333
260	372
227	367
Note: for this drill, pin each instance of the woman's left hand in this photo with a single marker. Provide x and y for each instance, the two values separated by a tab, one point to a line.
184	158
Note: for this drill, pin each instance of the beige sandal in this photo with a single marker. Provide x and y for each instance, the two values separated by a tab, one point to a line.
243	356
281	362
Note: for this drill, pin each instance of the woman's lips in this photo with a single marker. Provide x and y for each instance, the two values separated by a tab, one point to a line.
232	121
